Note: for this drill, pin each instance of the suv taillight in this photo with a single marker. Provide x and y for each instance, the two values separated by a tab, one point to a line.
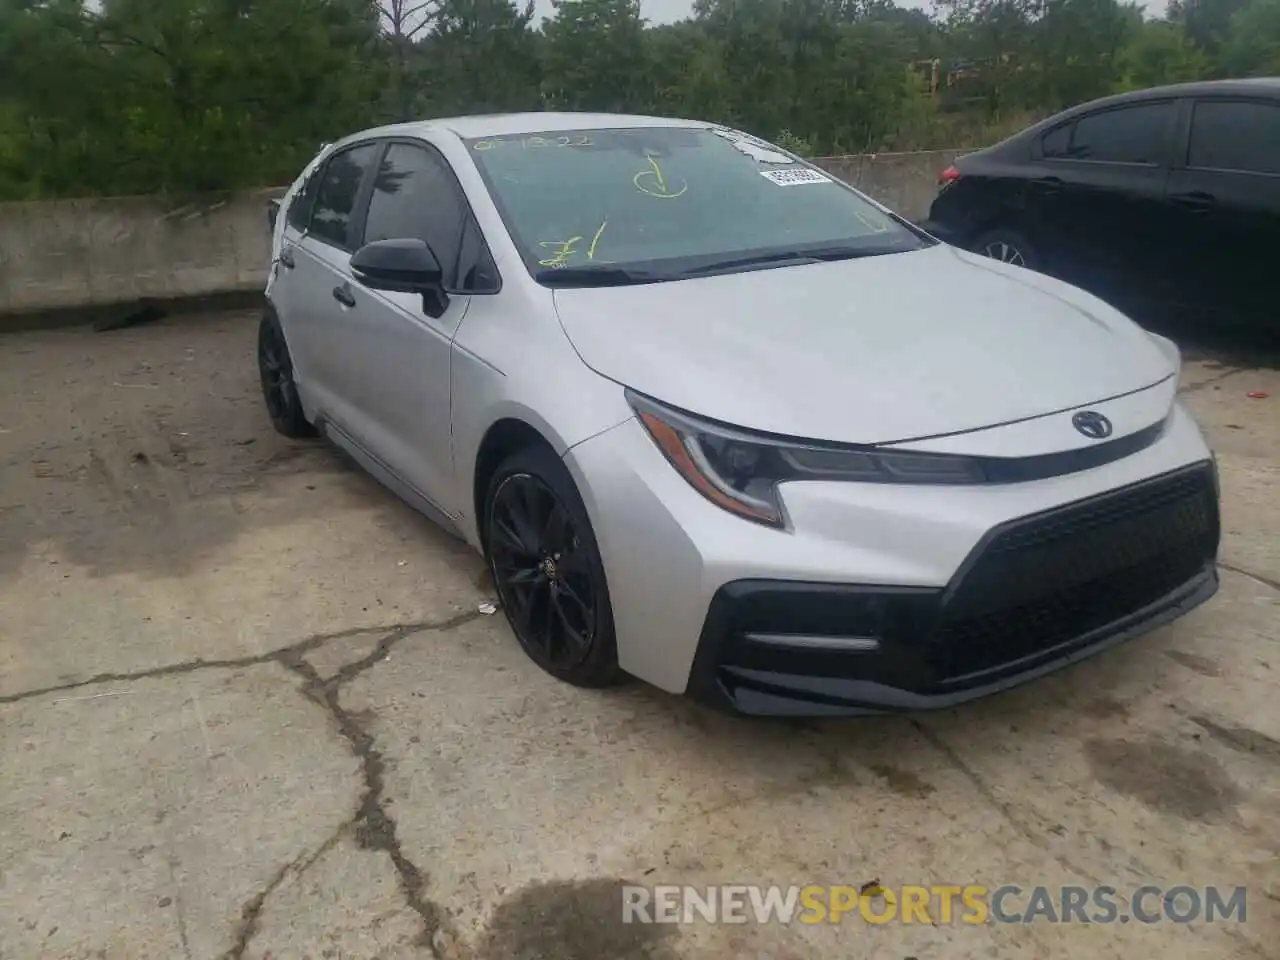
948	176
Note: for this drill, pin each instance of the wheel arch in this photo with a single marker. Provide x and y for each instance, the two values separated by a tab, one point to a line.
504	436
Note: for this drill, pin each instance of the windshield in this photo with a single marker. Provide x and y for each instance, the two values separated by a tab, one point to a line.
657	203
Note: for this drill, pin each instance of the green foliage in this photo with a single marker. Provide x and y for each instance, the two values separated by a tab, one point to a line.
127	96
1252	46
178	95
1160	52
594	55
797	145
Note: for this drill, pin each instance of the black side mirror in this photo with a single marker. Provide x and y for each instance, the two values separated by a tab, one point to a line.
402	266
273	211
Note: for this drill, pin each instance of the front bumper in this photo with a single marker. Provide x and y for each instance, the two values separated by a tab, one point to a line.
947	594
1035	595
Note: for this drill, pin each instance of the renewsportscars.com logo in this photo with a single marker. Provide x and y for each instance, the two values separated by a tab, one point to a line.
945	904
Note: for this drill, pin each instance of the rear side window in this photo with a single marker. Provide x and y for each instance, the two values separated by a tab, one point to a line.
336	191
1057	143
414	196
1135	134
1235	135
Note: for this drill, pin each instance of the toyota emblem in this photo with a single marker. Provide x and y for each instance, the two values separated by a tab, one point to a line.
1092	424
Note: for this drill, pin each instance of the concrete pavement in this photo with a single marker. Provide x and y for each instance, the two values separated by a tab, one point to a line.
249	708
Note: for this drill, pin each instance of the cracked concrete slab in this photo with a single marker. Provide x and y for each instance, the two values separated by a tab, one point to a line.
160	519
139	817
249	710
1042	783
346	903
1245	434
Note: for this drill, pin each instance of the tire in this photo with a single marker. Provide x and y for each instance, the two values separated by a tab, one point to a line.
546	567
1008	246
279	391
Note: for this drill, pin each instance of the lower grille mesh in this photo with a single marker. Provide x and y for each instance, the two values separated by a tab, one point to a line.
1047	580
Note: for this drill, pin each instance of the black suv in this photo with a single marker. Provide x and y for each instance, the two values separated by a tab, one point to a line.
1165	202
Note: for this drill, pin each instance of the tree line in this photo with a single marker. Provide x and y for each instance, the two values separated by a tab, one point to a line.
143	96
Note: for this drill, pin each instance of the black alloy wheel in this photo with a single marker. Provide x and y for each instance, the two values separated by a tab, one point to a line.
279	391
547	569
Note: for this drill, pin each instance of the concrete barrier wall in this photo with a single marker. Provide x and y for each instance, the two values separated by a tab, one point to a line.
85	253
70	254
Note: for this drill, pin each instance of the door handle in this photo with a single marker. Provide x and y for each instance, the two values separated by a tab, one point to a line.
1197	201
1048	185
286	258
344	295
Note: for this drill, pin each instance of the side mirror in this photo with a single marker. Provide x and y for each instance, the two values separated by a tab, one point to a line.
402	266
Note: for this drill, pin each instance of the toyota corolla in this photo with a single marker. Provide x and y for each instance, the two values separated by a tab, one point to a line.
719	421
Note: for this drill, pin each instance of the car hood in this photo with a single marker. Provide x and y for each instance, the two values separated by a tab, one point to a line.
878	350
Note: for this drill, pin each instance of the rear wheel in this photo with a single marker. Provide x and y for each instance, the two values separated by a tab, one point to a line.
1008	246
547	569
279	391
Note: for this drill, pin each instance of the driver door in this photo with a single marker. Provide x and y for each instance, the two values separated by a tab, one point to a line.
402	385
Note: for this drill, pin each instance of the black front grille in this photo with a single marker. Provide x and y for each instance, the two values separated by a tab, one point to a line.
1044	581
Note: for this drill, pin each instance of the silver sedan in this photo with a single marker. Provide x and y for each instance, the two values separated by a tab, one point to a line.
717	420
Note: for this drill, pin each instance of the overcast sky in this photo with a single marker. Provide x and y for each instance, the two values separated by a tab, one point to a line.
665	11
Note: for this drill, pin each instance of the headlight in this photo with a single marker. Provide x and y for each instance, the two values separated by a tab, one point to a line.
740	471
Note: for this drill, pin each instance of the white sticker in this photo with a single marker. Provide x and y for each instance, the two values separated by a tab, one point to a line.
762	154
794	178
753	147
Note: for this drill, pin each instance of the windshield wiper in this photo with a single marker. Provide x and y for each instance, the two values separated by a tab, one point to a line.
788	258
599	276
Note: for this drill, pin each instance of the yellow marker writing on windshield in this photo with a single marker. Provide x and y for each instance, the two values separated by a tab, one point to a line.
562	254
591	250
564	249
873	226
653	183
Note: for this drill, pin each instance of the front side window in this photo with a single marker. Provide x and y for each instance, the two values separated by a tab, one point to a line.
672	200
1135	134
336	193
1235	135
414	196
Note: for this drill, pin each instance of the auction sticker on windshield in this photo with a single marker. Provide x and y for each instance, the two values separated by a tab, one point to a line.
794	178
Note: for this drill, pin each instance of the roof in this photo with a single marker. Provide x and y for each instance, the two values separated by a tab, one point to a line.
1268	87
1251	86
500	124
516	124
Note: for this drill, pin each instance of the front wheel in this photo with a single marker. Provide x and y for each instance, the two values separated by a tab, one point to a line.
546	566
1008	246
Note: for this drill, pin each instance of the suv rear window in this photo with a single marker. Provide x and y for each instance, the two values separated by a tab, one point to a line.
1235	135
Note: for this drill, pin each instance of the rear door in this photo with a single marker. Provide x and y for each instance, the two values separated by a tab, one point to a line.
1098	202
1226	198
282	282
